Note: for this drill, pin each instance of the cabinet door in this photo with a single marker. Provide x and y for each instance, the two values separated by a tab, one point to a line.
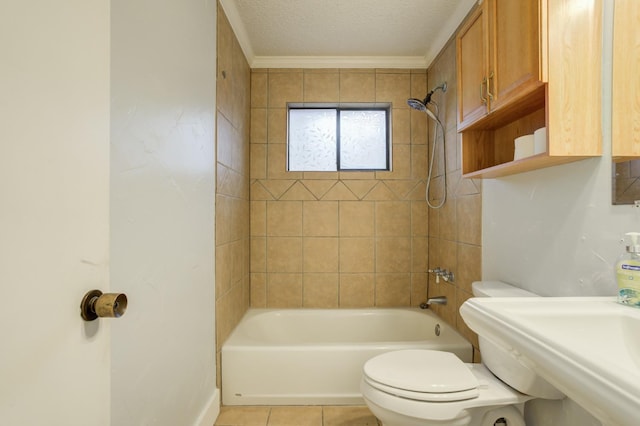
514	50
626	81
472	55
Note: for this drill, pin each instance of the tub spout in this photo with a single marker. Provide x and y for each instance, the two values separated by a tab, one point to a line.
438	300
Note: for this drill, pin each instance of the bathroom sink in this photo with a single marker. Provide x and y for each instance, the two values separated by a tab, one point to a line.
587	347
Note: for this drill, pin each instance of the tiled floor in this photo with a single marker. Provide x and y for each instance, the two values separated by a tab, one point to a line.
296	416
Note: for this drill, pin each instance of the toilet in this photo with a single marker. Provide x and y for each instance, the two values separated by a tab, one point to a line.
417	387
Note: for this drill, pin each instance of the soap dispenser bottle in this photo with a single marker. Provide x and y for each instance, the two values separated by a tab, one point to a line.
628	272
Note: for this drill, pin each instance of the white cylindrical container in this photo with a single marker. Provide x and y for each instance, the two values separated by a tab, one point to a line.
540	141
523	147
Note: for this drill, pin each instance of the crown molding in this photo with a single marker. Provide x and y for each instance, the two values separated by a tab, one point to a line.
414	62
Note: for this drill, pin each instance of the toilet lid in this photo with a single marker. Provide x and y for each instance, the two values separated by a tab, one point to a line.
440	374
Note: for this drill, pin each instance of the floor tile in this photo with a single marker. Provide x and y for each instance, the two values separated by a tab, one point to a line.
243	416
296	416
348	416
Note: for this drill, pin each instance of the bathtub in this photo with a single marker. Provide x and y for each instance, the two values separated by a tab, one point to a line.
315	356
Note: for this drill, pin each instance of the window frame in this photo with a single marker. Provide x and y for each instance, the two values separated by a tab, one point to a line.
378	106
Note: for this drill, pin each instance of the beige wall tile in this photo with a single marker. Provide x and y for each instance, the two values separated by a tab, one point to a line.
419	84
418	193
393	290
448	220
233	261
298	192
357	255
393	218
320	290
401	126
357	87
284	87
258	168
258	255
277	125
284	290
320	254
357	219
259	89
224	217
258	129
321	175
277	163
469	220
223	269
339	192
393	255
237	261
448	255
419	162
284	218
394	88
419	128
321	87
258	212
369	235
357	290
418	288
419	219
229	182
320	218
258	290
284	254
420	254
469	266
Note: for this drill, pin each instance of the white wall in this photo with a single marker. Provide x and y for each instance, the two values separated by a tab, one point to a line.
555	232
162	211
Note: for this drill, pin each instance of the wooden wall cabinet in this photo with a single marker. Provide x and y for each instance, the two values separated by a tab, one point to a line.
498	57
540	66
625	120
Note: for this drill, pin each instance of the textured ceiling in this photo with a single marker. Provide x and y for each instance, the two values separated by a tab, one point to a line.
405	33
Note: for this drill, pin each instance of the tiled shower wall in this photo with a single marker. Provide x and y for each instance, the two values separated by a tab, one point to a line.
455	235
328	239
232	184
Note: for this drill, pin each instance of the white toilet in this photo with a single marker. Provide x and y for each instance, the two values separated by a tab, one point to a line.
418	387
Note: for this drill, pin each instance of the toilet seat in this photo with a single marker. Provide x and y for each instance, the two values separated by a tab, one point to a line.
421	375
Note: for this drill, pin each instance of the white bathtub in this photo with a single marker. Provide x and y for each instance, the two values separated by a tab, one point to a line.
315	356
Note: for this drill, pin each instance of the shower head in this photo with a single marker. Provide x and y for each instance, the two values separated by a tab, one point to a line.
417	104
421	105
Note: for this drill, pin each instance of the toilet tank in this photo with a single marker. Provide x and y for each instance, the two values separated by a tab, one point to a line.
502	361
498	289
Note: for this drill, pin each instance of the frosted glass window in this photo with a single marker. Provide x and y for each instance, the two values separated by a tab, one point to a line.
312	140
363	140
338	139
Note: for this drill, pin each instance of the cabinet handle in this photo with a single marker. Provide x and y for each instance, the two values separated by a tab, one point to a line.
489	94
482	98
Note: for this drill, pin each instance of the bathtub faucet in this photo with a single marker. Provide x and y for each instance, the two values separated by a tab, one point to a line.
438	300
